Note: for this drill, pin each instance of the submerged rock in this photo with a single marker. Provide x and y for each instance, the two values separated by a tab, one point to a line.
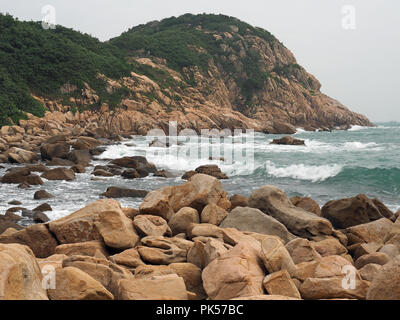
288	140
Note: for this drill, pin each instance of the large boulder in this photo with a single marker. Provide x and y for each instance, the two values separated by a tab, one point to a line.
307	204
375	231
289	140
181	220
21	175
239	272
253	220
385	284
18	155
59	174
165	287
74	284
116	192
54	150
139	163
36	237
213	214
88	248
20	275
197	193
100	220
88	143
298	221
212	170
350	212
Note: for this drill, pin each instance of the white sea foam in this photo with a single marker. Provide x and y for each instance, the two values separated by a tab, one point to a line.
303	172
357	128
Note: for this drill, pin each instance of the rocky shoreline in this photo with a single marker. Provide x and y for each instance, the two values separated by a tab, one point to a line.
186	242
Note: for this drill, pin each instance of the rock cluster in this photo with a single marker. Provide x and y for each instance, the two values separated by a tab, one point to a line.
193	242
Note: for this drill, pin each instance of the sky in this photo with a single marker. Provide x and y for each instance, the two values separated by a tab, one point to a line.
351	46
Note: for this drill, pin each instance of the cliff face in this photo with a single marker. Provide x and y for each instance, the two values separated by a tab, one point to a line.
202	71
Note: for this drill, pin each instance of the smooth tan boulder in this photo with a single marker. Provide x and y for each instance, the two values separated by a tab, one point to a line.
166	287
59	174
275	256
238	200
329	247
100	220
369	271
375	231
302	250
254	220
205	230
213	214
20	275
197	193
196	254
298	221
102	270
386	283
376	257
18	155
191	274
83	143
148	271
304	270
239	272
391	250
147	225
162	250
37	237
181	220
332	288
359	249
74	284
280	283
129	258
332	266
88	248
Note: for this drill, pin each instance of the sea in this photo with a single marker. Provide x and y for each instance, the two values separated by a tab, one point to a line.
331	165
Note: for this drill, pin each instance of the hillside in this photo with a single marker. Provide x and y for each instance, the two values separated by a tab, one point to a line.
201	70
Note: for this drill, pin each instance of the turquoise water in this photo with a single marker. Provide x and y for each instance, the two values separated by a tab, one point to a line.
332	165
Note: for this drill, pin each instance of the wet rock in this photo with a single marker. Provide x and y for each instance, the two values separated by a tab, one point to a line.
187	175
130	174
350	212
6	224
102	173
79	156
288	140
78	168
59	162
43	207
59	174
385	211
15	202
42	194
139	163
212	170
54	150
40	217
275	203
116	192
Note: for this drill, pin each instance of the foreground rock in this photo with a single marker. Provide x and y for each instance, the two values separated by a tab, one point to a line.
275	203
20	275
350	212
253	220
100	220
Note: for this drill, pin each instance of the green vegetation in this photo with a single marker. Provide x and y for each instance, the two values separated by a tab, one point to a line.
39	62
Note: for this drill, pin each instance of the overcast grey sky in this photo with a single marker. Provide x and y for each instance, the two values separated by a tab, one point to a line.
360	67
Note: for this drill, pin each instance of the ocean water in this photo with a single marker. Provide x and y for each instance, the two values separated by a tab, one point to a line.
332	165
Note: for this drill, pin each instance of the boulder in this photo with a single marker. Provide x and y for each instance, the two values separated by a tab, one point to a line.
74	284
213	214
40	217
102	173
191	274
275	256
302	250
6	224
375	231
253	220
78	168
116	192
79	156
197	193
376	258
59	174
212	170
130	174
88	248
59	162
391	250
238	200
100	220
17	175
88	143
42	194
129	258
298	221
307	204
386	283
280	283
165	287
288	140
18	155
329	247
385	211
187	175
54	150
369	271
181	220
139	163
36	237
147	225
350	212
20	275
149	271
237	273
43	207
